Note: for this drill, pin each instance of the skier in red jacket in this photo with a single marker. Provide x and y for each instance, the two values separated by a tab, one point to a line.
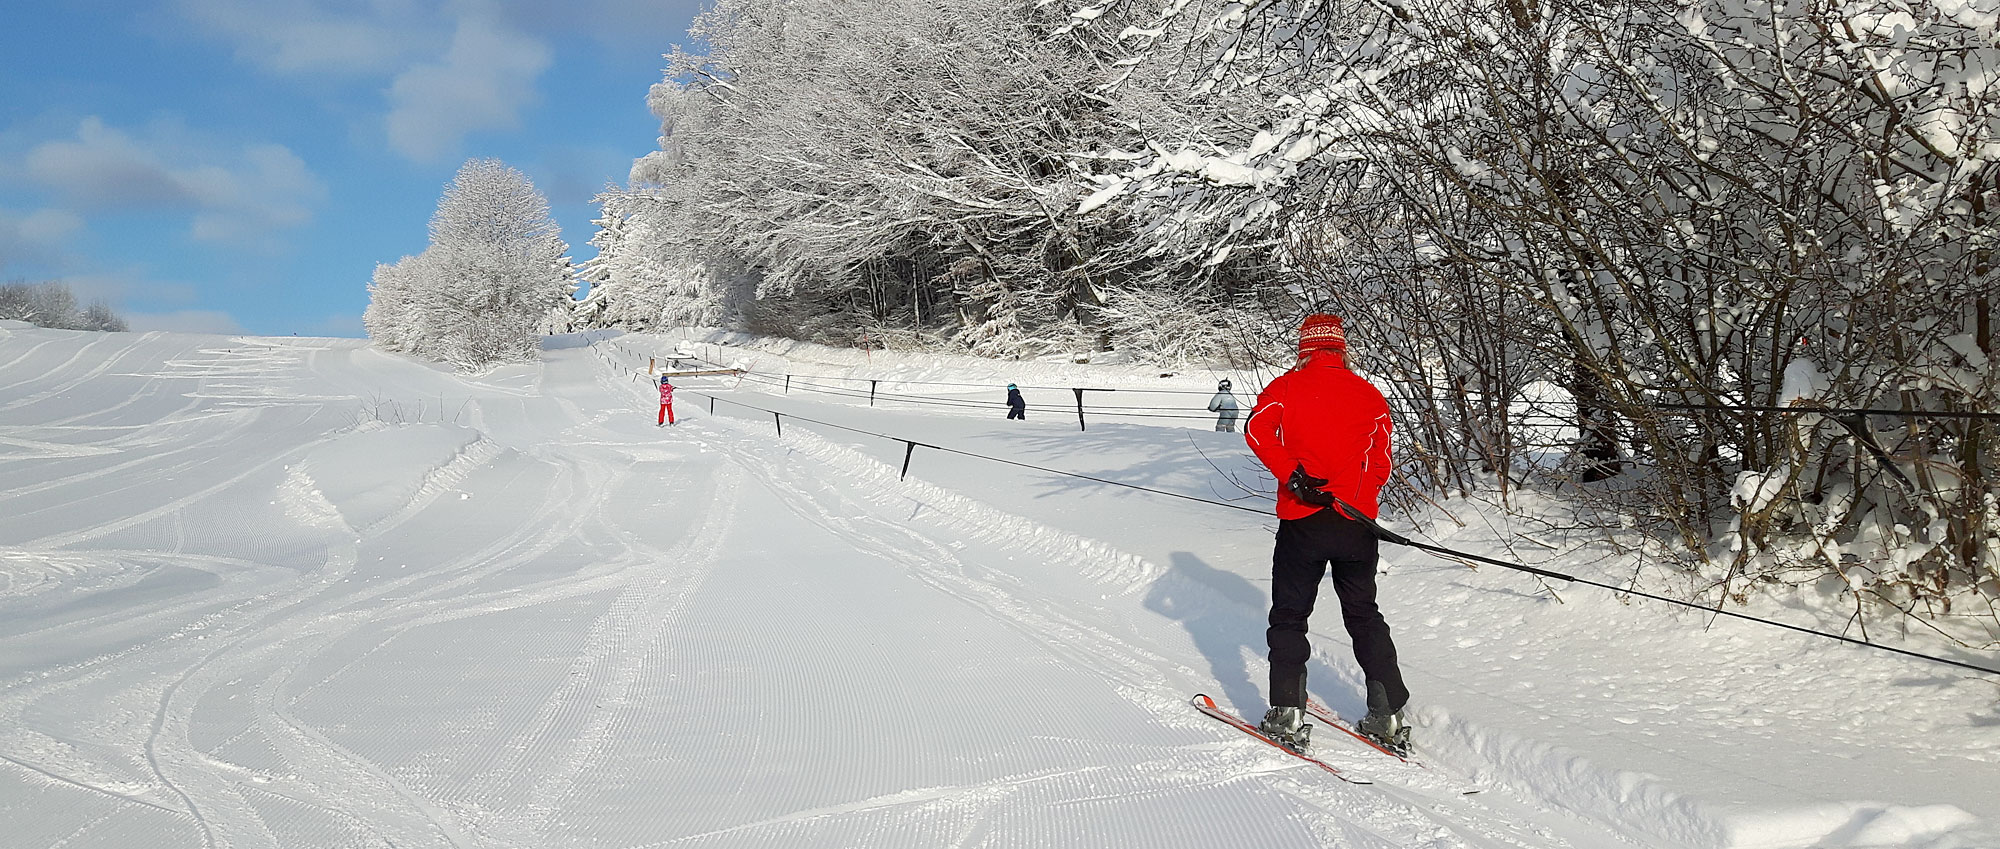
666	402
1323	431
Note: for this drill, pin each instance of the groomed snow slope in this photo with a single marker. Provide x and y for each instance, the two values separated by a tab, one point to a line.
299	593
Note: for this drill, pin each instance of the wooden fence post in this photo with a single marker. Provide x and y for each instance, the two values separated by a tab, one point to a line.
1079	403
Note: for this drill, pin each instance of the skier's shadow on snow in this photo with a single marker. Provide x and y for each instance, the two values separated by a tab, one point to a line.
1225	614
1222	612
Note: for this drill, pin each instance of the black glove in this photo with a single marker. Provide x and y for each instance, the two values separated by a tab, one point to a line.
1306	488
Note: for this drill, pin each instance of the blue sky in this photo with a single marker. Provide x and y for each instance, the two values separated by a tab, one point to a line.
242	165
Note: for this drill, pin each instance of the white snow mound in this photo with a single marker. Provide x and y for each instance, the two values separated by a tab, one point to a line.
362	478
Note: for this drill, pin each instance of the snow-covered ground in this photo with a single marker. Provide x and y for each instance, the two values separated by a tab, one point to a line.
296	592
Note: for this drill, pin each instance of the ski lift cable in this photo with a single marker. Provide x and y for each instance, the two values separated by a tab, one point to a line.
961	452
1182	413
1440	551
1389	536
961	403
973	385
1557	402
1829	411
1383	534
805	383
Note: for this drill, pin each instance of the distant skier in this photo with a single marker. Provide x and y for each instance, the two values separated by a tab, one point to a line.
1225	408
666	402
1017	407
1324	432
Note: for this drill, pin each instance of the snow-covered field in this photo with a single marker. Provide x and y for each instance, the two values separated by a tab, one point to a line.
279	592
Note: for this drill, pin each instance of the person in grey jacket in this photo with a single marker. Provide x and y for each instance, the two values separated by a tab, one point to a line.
1224	406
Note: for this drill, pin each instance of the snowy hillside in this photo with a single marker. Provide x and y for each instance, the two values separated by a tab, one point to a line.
264	592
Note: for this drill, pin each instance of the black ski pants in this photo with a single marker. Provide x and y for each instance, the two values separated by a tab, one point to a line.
1304	551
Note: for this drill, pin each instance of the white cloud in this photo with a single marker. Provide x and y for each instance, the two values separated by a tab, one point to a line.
482	83
382	37
36	237
273	190
310	37
451	67
241	196
103	168
185	321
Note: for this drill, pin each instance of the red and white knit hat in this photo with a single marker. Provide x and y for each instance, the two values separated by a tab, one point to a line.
1321	331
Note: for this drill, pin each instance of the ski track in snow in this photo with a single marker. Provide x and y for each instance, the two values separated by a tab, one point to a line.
564	627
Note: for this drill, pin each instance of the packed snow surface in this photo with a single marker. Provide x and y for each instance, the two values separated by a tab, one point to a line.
301	593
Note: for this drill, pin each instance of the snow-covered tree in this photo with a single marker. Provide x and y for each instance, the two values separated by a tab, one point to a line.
638	280
51	304
389	318
914	176
17	301
99	316
1650	202
489	284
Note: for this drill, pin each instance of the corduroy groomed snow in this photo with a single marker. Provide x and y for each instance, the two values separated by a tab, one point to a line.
1321	331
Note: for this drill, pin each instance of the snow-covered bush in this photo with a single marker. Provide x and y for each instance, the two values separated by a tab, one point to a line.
1177	327
489	285
52	304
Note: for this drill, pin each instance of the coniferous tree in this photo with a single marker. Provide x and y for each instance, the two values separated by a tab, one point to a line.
637	280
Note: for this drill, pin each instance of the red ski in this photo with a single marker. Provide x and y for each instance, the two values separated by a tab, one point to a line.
1328	718
1207	705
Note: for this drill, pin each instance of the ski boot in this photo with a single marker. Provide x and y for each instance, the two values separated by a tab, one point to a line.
1382	725
1288	727
1388	730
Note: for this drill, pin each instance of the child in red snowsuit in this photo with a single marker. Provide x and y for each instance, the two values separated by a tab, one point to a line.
666	401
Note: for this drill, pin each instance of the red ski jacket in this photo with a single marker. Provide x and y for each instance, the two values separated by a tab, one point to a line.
666	393
1330	420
